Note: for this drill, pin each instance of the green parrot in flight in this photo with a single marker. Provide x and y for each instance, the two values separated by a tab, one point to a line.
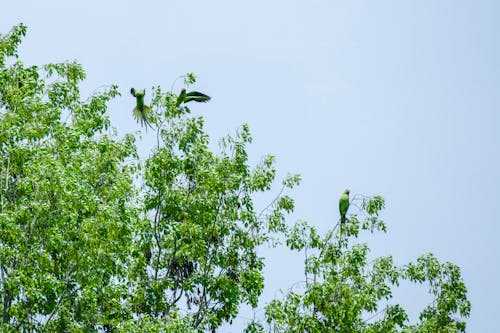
141	111
196	96
343	205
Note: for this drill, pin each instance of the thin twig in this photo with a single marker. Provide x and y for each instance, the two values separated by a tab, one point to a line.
272	202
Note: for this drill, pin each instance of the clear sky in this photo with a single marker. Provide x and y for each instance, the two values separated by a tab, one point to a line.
397	98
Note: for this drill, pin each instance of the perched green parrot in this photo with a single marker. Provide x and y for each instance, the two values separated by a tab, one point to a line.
191	96
343	205
141	111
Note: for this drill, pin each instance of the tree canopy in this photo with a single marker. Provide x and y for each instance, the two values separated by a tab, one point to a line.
95	239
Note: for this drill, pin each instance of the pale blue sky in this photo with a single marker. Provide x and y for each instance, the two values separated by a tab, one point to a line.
397	98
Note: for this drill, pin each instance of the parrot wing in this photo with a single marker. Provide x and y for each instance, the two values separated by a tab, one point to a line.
196	96
141	115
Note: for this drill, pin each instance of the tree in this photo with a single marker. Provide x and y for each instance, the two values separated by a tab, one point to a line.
347	292
196	248
95	239
66	211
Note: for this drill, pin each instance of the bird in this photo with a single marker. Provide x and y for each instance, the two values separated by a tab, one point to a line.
196	96
343	206
141	111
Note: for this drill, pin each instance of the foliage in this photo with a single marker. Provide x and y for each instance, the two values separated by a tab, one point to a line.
65	208
94	239
197	243
345	292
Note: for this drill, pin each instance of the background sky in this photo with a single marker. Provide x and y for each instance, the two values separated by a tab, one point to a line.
397	98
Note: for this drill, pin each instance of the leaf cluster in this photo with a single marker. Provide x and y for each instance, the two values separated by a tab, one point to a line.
345	291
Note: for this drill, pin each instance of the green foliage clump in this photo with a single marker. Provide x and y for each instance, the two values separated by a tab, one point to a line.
347	292
93	239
